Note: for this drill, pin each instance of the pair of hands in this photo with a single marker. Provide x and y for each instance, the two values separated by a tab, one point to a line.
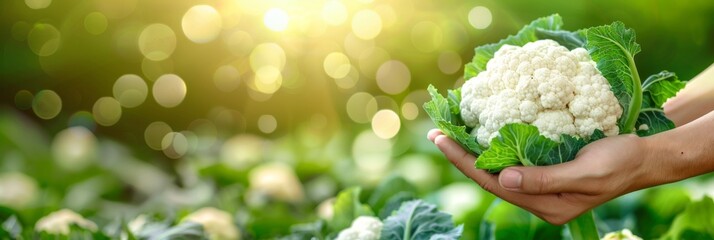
601	171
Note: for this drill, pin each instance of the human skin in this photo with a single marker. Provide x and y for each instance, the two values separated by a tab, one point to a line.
609	167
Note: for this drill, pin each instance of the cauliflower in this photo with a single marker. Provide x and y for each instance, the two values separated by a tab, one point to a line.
363	228
60	221
17	190
542	84
624	234
217	224
276	180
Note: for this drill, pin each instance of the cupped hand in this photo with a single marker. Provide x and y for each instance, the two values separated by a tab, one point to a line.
601	171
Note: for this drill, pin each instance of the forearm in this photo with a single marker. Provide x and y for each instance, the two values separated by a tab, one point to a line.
683	152
695	100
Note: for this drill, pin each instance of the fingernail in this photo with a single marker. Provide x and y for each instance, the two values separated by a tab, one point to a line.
510	178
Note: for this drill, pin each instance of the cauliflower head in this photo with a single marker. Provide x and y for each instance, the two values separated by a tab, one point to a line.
59	222
362	228
624	234
544	84
217	223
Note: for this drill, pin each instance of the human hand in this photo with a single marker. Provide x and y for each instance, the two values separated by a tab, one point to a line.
601	171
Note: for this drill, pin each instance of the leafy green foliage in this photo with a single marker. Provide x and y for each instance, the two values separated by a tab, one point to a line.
388	189
307	231
440	113
527	34
347	208
11	228
660	87
394	202
657	89
419	220
186	230
516	143
506	221
568	39
695	222
613	48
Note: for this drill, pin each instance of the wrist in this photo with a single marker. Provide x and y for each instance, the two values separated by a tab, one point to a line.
668	158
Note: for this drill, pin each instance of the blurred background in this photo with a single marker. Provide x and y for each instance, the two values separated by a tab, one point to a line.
266	109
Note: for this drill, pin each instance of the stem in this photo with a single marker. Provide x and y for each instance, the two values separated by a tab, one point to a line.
583	227
633	111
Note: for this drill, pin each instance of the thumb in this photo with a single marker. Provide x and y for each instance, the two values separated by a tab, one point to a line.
539	180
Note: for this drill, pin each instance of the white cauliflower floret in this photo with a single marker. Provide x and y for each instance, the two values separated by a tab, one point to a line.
59	222
362	228
624	234
552	123
542	83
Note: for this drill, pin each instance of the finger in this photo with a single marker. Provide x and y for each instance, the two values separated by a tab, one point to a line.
465	163
560	178
489	182
433	134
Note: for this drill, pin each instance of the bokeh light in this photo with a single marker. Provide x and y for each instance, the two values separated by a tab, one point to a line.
38	4
361	107
449	62
267	123
130	90
74	148
334	12
169	90
226	78
47	104
95	23
117	9
267	80
276	19
349	80
82	119
157	42
202	23
337	65
267	54
174	145
393	77
371	59
152	70
480	17
44	39
386	124
355	47
372	155
106	111
239	43
366	24
154	134
23	99
410	111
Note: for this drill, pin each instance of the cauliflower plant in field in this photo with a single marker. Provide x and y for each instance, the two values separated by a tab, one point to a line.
59	222
363	228
544	84
217	223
